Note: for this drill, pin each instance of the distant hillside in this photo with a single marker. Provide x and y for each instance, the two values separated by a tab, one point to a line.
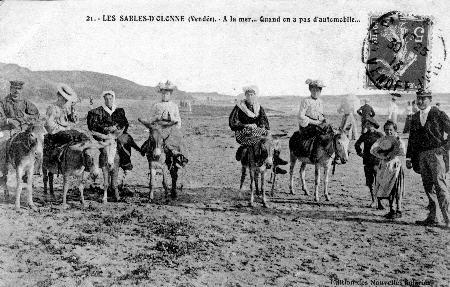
42	84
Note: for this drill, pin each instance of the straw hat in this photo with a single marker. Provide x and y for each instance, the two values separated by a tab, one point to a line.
167	86
387	143
67	92
315	83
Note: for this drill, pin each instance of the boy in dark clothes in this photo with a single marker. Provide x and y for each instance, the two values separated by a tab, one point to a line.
370	162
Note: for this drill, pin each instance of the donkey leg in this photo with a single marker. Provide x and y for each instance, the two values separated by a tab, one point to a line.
164	182
263	191
325	181
256	180
243	173
302	178
50	183
292	160
316	183
174	176
19	174
273	182
105	172
65	190
114	175
150	182
30	173
251	188
81	190
4	180
45	179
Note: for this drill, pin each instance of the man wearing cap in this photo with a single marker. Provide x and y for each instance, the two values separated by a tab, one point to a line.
428	154
365	111
15	112
370	162
311	118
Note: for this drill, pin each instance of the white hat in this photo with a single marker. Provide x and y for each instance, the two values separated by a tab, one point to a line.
315	83
109	93
67	92
167	86
251	88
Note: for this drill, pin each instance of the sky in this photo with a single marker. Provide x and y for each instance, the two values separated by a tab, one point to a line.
207	57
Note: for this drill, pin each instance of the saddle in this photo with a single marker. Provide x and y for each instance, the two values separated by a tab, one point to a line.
56	145
254	155
306	142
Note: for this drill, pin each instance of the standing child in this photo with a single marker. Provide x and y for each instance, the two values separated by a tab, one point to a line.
370	162
389	182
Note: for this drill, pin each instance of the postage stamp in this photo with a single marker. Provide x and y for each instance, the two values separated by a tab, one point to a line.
397	52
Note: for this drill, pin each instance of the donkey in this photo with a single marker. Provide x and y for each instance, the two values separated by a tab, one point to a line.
24	151
77	159
161	160
325	159
110	162
258	159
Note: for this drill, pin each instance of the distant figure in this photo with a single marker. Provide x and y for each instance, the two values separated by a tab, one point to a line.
91	100
366	112
438	105
409	113
189	107
348	108
393	108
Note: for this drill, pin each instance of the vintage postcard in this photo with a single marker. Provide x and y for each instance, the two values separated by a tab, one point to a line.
224	143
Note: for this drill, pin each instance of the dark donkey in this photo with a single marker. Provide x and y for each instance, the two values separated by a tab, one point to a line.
160	160
258	159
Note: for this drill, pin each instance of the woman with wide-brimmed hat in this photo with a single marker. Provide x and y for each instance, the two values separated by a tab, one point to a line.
165	116
61	115
249	122
311	119
60	124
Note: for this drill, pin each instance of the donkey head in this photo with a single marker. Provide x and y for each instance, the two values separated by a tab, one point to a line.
342	142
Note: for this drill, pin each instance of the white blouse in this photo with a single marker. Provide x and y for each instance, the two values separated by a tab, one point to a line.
310	109
166	111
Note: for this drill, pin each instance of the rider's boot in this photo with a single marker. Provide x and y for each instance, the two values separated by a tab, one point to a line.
240	153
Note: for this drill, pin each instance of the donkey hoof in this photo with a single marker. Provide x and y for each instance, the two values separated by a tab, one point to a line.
250	204
64	206
104	200
17	207
327	197
316	199
265	205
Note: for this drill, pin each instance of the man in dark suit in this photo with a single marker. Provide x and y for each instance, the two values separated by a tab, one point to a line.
366	112
428	154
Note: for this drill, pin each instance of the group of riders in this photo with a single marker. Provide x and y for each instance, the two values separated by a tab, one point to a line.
17	113
249	122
